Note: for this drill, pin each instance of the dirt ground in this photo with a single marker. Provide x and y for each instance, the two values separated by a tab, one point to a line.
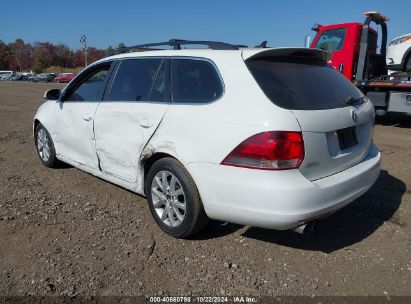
65	232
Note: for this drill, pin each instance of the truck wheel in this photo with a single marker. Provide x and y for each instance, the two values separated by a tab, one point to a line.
173	199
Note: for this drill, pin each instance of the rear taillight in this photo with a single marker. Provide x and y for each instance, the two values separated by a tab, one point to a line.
274	150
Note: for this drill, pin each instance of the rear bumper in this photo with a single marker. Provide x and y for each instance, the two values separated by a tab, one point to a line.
279	199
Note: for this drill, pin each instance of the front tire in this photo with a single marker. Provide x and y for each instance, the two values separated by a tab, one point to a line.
45	147
174	200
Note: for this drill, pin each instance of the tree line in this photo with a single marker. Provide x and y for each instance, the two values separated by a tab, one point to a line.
46	56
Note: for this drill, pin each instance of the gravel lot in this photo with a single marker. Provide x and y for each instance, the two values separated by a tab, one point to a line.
65	232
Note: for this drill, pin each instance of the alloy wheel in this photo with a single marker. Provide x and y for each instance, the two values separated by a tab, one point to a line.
168	198
43	145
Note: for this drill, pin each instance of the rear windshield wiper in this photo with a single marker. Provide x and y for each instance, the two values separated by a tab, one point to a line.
351	101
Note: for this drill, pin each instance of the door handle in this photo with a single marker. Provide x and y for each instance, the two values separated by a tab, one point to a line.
145	123
87	117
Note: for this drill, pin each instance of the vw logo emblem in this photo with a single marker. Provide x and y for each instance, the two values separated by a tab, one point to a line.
354	116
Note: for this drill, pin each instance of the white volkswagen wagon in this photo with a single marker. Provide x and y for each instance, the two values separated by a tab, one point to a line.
265	137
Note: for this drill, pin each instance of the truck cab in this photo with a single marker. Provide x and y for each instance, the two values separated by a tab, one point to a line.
343	41
356	55
347	40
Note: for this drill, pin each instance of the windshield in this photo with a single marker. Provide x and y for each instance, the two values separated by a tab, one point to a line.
301	83
331	40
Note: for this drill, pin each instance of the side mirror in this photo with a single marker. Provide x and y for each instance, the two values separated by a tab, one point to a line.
53	94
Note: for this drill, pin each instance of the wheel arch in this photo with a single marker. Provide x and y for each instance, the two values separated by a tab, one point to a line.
405	58
36	122
147	161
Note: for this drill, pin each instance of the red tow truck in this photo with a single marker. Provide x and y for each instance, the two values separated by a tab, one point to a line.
356	55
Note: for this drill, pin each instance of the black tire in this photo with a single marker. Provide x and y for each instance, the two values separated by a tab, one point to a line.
408	65
51	161
195	217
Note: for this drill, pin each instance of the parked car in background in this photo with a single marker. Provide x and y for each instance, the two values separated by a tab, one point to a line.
16	77
399	54
31	77
26	76
266	137
44	77
65	77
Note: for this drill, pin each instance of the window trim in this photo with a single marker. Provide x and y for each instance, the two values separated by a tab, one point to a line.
164	60
199	59
116	64
84	74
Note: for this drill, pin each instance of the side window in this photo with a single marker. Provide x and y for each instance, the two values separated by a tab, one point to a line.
139	80
91	87
194	81
331	40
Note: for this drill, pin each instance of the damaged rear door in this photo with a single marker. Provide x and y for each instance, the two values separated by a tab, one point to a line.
134	104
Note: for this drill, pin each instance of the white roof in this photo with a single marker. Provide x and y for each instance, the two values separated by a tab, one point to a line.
183	52
246	53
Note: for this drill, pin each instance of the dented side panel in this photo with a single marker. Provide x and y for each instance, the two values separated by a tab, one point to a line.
74	136
70	125
122	130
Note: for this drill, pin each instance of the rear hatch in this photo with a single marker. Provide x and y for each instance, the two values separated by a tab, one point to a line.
335	118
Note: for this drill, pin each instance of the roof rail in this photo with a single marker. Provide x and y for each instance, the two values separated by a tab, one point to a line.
177	43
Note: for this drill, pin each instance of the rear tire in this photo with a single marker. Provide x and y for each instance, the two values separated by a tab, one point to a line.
45	147
174	200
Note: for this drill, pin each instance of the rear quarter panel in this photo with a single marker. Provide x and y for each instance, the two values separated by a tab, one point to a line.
209	132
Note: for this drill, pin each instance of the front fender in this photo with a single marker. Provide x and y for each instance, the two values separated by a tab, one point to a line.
45	116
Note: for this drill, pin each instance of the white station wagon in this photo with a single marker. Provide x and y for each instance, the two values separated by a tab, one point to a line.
267	137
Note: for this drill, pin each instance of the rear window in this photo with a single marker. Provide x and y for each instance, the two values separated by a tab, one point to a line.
302	84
